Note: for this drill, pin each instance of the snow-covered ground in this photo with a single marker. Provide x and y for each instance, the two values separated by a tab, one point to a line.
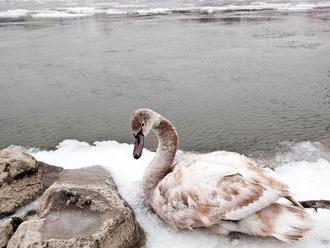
305	168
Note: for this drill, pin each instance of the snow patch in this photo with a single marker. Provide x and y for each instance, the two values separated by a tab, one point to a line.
307	180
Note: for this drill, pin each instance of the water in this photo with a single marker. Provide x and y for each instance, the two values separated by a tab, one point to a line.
237	80
58	224
236	75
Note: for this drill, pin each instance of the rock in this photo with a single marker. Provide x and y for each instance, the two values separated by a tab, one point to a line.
325	141
7	230
81	209
22	179
15	164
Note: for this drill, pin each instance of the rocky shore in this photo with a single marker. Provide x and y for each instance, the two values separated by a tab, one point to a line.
76	208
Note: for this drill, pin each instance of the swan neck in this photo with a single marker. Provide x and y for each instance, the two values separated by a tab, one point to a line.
162	164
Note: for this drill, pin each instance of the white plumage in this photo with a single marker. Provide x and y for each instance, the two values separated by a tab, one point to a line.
222	191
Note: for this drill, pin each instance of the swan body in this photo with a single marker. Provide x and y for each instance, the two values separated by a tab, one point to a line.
222	191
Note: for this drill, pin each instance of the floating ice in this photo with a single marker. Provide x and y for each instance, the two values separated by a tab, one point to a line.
143	10
13	13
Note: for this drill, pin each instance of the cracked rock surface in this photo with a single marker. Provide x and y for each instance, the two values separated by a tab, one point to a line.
22	179
8	228
77	208
81	209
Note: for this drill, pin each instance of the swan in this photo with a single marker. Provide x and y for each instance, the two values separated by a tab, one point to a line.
222	191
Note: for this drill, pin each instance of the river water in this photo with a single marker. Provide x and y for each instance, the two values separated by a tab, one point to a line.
240	76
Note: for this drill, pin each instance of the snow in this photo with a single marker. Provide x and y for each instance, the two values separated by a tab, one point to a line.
308	177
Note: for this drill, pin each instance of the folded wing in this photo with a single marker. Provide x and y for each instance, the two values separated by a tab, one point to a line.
205	189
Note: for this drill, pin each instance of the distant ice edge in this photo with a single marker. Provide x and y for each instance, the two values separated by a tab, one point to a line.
136	10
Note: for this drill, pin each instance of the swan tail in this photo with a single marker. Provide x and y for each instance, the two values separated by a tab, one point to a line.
292	224
286	223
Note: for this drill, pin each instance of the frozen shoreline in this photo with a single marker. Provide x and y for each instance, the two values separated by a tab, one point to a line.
305	168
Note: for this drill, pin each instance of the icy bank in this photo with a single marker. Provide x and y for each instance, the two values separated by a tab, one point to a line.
305	169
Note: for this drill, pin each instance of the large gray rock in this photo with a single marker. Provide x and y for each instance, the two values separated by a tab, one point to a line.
22	179
82	209
14	163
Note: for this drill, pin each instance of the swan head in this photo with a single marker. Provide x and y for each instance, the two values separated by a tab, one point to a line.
143	120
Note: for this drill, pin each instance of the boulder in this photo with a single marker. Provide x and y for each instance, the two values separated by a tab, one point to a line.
325	141
8	228
14	164
81	209
22	179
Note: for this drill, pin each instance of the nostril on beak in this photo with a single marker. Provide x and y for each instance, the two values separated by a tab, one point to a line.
136	156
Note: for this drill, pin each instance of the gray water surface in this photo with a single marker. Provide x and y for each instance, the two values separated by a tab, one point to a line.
240	81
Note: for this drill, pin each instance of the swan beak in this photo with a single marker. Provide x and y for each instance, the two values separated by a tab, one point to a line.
138	146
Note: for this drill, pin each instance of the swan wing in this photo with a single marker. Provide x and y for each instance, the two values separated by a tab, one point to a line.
203	190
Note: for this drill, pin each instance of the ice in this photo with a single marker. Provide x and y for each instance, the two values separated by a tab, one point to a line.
58	14
308	178
32	206
13	13
143	10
